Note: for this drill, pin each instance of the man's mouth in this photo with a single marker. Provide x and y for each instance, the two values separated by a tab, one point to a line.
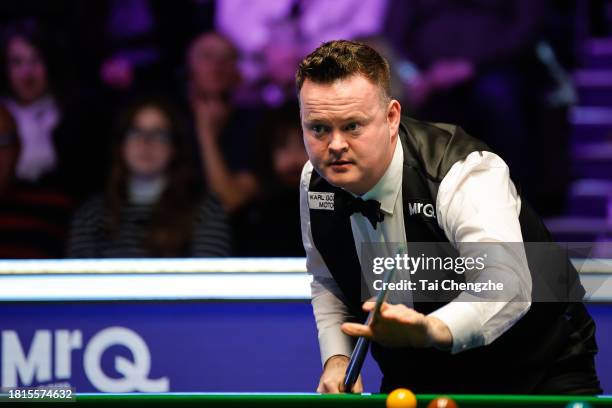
340	164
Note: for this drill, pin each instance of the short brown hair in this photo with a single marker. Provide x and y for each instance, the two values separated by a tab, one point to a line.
341	59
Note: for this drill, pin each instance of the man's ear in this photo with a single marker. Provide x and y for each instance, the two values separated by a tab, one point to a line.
394	114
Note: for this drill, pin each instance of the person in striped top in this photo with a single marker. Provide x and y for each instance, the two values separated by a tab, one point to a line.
153	206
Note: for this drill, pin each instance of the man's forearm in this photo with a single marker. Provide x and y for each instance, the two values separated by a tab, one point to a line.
330	312
225	185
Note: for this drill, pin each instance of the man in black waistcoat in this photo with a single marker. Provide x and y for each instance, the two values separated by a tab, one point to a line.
377	177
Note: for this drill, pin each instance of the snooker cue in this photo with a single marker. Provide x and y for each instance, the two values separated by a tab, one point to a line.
361	348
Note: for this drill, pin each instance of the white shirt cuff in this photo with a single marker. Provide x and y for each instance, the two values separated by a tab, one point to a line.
463	321
333	342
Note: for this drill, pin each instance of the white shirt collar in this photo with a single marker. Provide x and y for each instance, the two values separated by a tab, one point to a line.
388	187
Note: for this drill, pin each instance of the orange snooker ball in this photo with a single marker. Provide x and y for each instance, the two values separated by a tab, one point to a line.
442	402
401	398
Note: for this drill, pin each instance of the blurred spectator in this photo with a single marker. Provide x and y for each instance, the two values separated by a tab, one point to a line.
468	63
152	205
33	219
273	36
130	45
271	225
31	98
61	134
224	131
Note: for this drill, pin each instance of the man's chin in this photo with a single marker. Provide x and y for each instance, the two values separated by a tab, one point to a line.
343	181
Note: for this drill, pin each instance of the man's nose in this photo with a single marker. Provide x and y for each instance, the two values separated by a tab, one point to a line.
338	143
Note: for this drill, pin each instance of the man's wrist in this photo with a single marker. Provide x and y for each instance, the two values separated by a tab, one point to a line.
335	359
439	334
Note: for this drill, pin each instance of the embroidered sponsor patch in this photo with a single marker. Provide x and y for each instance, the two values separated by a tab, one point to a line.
426	210
320	201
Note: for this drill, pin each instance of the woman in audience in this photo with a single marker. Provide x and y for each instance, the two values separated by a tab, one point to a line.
62	127
30	96
151	207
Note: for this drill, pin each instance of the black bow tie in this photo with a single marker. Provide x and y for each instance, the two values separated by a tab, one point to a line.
369	209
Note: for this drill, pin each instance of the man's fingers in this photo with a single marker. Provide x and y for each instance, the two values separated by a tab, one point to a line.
400	313
358	386
357	330
368	306
329	386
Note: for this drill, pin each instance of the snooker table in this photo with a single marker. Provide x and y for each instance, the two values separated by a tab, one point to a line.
246	400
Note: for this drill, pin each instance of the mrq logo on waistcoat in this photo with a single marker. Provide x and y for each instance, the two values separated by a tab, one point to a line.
425	209
21	368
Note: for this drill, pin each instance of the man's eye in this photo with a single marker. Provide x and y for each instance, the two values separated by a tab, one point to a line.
351	127
317	129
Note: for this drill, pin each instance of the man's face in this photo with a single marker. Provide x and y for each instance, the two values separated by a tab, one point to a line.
350	131
26	70
213	65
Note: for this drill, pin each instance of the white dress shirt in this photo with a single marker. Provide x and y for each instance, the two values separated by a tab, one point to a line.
476	202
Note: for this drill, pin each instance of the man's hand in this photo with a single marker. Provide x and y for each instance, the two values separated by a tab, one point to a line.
332	379
400	326
211	115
